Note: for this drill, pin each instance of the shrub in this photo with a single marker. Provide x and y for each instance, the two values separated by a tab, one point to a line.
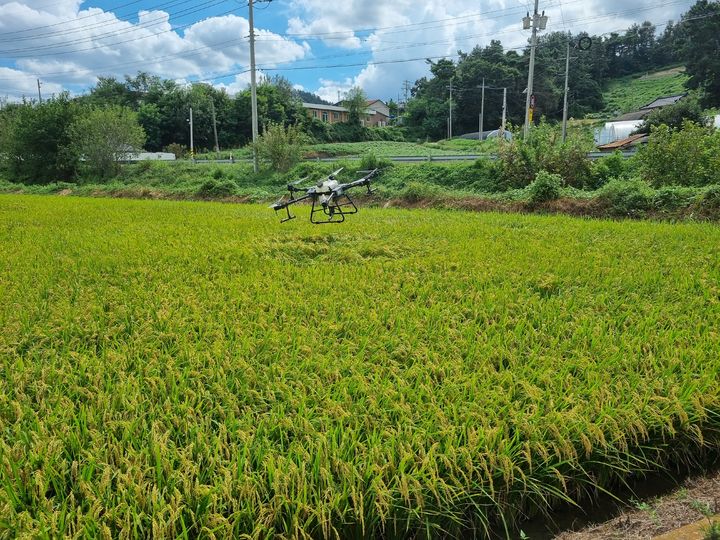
546	187
281	147
180	150
688	157
212	188
603	169
711	198
521	160
672	198
419	191
370	161
626	198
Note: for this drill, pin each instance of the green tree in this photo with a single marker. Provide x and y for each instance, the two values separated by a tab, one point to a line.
35	140
356	103
674	116
103	137
702	49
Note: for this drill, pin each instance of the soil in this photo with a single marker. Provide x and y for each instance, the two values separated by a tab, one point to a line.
680	515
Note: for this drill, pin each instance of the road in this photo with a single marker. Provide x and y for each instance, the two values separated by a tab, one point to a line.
413	159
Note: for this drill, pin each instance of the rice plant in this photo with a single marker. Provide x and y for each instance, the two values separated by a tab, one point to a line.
198	370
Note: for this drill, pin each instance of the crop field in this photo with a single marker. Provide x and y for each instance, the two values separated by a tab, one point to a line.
175	369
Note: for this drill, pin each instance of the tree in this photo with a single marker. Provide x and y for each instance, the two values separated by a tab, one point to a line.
36	138
103	137
356	103
702	49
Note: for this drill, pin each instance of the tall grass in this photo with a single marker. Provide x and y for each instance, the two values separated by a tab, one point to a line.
198	370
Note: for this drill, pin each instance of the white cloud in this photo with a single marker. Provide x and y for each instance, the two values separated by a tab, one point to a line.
452	25
94	42
17	85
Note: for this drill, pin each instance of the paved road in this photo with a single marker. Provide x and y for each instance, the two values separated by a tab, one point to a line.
413	159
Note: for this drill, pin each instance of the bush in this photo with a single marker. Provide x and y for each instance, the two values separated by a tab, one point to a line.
688	157
546	187
603	169
420	191
711	198
213	188
626	198
281	147
180	150
370	161
672	198
521	160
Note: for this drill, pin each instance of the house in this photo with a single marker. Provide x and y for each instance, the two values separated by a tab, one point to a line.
332	114
645	110
377	113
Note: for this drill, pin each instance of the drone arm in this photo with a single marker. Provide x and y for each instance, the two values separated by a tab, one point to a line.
364	181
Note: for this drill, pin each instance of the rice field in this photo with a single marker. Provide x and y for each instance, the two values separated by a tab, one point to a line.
197	370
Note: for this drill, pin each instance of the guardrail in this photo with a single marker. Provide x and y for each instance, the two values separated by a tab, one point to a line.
412	159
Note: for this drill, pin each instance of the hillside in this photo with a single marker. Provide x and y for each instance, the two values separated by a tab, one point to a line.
632	92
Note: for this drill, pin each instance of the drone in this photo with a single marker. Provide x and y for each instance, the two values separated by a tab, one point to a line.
330	200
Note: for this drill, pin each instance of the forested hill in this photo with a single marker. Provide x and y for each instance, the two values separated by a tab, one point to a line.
641	49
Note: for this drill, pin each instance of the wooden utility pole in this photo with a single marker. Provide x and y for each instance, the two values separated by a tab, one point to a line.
253	86
482	112
212	108
450	123
192	137
39	93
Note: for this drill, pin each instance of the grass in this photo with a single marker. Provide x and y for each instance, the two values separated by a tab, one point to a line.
189	370
632	92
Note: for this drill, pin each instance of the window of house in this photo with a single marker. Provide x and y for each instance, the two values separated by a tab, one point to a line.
336	115
314	114
325	116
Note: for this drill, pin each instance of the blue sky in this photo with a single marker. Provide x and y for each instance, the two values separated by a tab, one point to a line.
323	46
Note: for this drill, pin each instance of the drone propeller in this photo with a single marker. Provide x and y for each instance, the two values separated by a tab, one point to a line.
334	174
296	182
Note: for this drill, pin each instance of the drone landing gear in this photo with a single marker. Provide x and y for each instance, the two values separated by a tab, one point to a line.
333	211
289	215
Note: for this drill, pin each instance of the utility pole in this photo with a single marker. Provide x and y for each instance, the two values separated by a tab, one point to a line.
39	93
504	115
192	140
253	86
482	112
538	22
450	126
567	88
212	108
406	88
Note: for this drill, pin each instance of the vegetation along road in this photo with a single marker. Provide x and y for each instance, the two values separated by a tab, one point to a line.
176	369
